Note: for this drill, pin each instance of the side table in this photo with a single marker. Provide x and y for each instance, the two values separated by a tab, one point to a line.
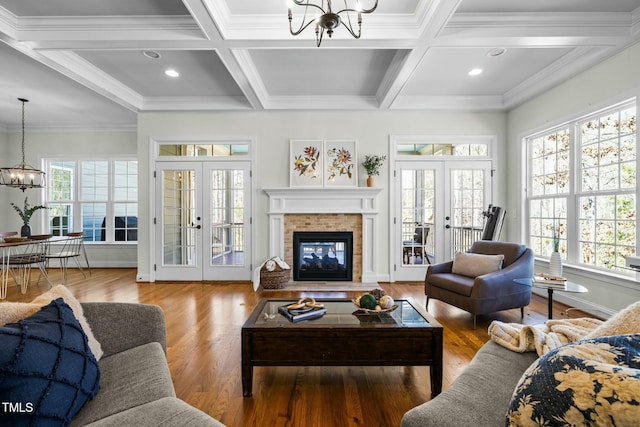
569	287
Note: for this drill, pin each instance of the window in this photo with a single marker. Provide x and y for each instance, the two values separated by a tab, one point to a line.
99	197
582	189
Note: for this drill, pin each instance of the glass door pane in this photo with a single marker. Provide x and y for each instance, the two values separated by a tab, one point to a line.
178	222
467	204
227	217
227	197
418	213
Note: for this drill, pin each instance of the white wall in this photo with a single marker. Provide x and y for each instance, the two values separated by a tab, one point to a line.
614	80
42	145
273	130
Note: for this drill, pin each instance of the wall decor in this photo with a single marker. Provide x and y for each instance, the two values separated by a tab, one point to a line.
340	163
305	163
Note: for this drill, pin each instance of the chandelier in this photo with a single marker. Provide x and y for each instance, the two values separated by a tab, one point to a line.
22	175
327	19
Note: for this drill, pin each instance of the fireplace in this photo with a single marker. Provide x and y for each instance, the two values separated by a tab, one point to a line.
318	209
323	255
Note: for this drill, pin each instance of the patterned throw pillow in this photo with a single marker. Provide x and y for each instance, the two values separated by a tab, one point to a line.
47	370
592	382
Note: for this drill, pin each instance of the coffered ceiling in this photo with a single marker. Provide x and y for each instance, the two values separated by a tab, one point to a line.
81	62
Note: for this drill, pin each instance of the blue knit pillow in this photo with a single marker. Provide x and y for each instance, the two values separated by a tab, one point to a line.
47	371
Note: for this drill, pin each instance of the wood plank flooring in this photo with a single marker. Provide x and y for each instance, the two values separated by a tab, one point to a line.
203	334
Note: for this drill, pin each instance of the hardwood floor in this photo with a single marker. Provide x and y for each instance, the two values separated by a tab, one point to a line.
203	336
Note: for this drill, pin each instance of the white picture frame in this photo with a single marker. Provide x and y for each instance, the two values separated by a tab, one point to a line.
340	163
306	163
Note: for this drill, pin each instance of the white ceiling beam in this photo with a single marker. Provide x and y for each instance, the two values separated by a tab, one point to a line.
434	17
241	68
201	14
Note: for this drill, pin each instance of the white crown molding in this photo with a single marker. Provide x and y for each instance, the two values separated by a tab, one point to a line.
541	20
449	103
105	128
559	71
8	23
321	103
194	103
108	28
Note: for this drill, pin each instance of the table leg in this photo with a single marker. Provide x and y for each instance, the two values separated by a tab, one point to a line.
550	303
246	366
247	379
5	273
436	379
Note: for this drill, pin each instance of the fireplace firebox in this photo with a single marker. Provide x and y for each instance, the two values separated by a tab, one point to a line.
323	255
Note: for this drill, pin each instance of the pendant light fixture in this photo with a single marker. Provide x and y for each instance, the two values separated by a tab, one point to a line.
327	19
22	175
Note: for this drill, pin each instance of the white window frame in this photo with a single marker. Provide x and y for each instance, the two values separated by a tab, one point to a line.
76	203
570	240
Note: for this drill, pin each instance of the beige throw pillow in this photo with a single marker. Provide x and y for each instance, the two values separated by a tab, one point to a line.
11	312
626	321
474	265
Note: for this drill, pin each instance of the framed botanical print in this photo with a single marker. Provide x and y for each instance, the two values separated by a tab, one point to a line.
305	163
340	163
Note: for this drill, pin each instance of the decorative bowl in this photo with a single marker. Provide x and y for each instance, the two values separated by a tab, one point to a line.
369	311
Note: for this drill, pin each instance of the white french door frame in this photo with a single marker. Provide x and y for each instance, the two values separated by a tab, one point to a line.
249	160
443	165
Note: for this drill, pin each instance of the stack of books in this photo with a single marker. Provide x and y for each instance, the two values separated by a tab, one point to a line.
305	313
549	280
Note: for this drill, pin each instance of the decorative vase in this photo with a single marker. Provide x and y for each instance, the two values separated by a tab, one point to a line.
25	231
555	264
370	181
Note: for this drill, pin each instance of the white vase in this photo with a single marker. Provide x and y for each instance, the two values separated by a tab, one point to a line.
555	264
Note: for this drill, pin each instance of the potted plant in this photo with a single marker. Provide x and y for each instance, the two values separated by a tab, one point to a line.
25	215
372	165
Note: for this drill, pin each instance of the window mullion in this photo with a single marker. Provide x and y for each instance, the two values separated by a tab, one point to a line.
573	227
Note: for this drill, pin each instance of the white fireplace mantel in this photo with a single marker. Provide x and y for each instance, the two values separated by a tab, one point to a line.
303	200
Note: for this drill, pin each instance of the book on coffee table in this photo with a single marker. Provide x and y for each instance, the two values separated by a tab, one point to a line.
299	314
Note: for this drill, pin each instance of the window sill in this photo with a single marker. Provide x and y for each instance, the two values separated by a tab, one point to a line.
631	281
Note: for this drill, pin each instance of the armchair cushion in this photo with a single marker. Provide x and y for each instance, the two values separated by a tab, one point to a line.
473	265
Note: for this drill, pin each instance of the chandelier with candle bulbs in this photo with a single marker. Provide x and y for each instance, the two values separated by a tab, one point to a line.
22	175
326	19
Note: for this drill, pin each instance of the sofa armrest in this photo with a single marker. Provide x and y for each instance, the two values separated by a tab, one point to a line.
120	326
443	267
491	284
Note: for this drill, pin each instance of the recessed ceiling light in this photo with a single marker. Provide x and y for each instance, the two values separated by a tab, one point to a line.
151	54
475	72
496	52
171	72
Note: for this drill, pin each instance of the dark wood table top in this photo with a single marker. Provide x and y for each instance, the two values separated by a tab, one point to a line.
341	313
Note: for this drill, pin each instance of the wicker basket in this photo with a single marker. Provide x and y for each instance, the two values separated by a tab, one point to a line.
275	279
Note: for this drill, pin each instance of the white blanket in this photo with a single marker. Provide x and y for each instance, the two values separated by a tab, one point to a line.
541	338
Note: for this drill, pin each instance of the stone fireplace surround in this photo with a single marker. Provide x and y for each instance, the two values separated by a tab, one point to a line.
292	202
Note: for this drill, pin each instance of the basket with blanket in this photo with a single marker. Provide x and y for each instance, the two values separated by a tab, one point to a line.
274	273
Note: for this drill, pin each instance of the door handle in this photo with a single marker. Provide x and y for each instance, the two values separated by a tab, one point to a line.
198	227
447	226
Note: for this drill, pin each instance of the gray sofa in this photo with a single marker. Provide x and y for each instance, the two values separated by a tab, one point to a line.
135	385
481	394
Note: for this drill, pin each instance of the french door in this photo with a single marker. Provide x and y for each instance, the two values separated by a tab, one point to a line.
438	212
202	221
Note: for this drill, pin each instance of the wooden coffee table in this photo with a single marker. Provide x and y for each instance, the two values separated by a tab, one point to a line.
406	336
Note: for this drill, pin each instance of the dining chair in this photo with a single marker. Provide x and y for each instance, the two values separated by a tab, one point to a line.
19	264
71	249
